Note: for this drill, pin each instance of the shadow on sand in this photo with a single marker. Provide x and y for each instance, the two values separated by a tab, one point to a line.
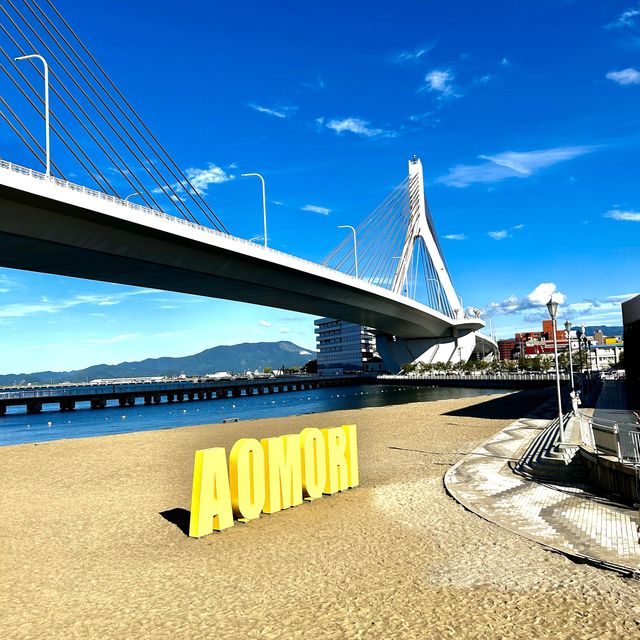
179	517
522	404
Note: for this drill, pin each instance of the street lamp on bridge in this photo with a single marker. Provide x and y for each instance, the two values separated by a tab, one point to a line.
46	109
264	202
355	244
552	307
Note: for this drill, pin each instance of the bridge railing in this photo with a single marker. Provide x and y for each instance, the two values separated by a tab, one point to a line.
620	440
4	164
475	376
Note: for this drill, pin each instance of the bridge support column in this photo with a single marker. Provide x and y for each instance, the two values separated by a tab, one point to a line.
98	403
67	405
34	407
148	399
3	409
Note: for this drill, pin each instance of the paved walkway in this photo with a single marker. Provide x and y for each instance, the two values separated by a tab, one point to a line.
520	482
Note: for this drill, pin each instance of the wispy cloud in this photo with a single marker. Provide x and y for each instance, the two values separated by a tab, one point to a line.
284	330
626	216
264	323
200	179
510	164
45	306
315	209
627	19
6	284
317	85
415	55
356	126
110	340
626	76
504	233
441	82
505	62
280	111
455	236
485	79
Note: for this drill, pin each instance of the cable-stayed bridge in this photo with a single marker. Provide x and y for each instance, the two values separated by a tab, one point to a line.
175	241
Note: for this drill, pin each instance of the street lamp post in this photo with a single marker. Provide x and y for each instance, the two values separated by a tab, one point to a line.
264	202
46	109
553	309
567	326
355	244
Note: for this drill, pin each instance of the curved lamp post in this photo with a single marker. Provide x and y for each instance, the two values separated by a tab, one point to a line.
552	307
355	244
264	202
46	109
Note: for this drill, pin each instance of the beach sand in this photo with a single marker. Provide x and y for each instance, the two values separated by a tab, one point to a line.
86	553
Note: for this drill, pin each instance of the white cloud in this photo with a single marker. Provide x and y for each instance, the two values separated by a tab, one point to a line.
626	76
413	56
441	81
510	164
202	178
356	126
498	235
264	323
627	18
455	236
281	111
505	62
627	216
531	302
315	209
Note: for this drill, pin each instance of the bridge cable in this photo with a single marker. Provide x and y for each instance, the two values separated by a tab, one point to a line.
174	196
192	191
53	88
56	122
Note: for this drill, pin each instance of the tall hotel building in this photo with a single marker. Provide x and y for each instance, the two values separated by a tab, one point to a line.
343	346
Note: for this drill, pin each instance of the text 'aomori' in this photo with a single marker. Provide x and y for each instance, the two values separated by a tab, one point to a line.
268	475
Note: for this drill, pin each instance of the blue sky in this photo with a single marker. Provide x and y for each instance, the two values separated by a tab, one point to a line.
525	116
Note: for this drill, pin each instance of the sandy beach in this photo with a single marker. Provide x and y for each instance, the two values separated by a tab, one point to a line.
86	551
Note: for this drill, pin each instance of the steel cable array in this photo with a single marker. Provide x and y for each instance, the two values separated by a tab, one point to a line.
381	240
92	119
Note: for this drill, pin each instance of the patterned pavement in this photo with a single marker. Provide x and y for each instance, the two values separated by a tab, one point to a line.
519	481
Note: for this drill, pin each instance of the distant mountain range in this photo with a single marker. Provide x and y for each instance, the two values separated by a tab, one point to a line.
237	358
610	332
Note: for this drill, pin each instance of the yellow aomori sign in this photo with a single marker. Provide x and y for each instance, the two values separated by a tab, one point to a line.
268	475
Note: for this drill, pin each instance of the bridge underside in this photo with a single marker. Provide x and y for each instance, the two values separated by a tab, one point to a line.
39	233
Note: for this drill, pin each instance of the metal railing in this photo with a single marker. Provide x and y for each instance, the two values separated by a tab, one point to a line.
620	440
448	375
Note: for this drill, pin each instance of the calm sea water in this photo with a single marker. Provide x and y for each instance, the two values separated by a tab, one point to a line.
19	428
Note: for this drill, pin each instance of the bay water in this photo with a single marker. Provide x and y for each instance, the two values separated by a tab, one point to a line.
17	427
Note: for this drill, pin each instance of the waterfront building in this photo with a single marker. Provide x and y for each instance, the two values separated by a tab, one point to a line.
345	347
631	322
507	349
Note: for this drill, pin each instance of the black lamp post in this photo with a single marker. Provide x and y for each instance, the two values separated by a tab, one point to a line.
552	307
